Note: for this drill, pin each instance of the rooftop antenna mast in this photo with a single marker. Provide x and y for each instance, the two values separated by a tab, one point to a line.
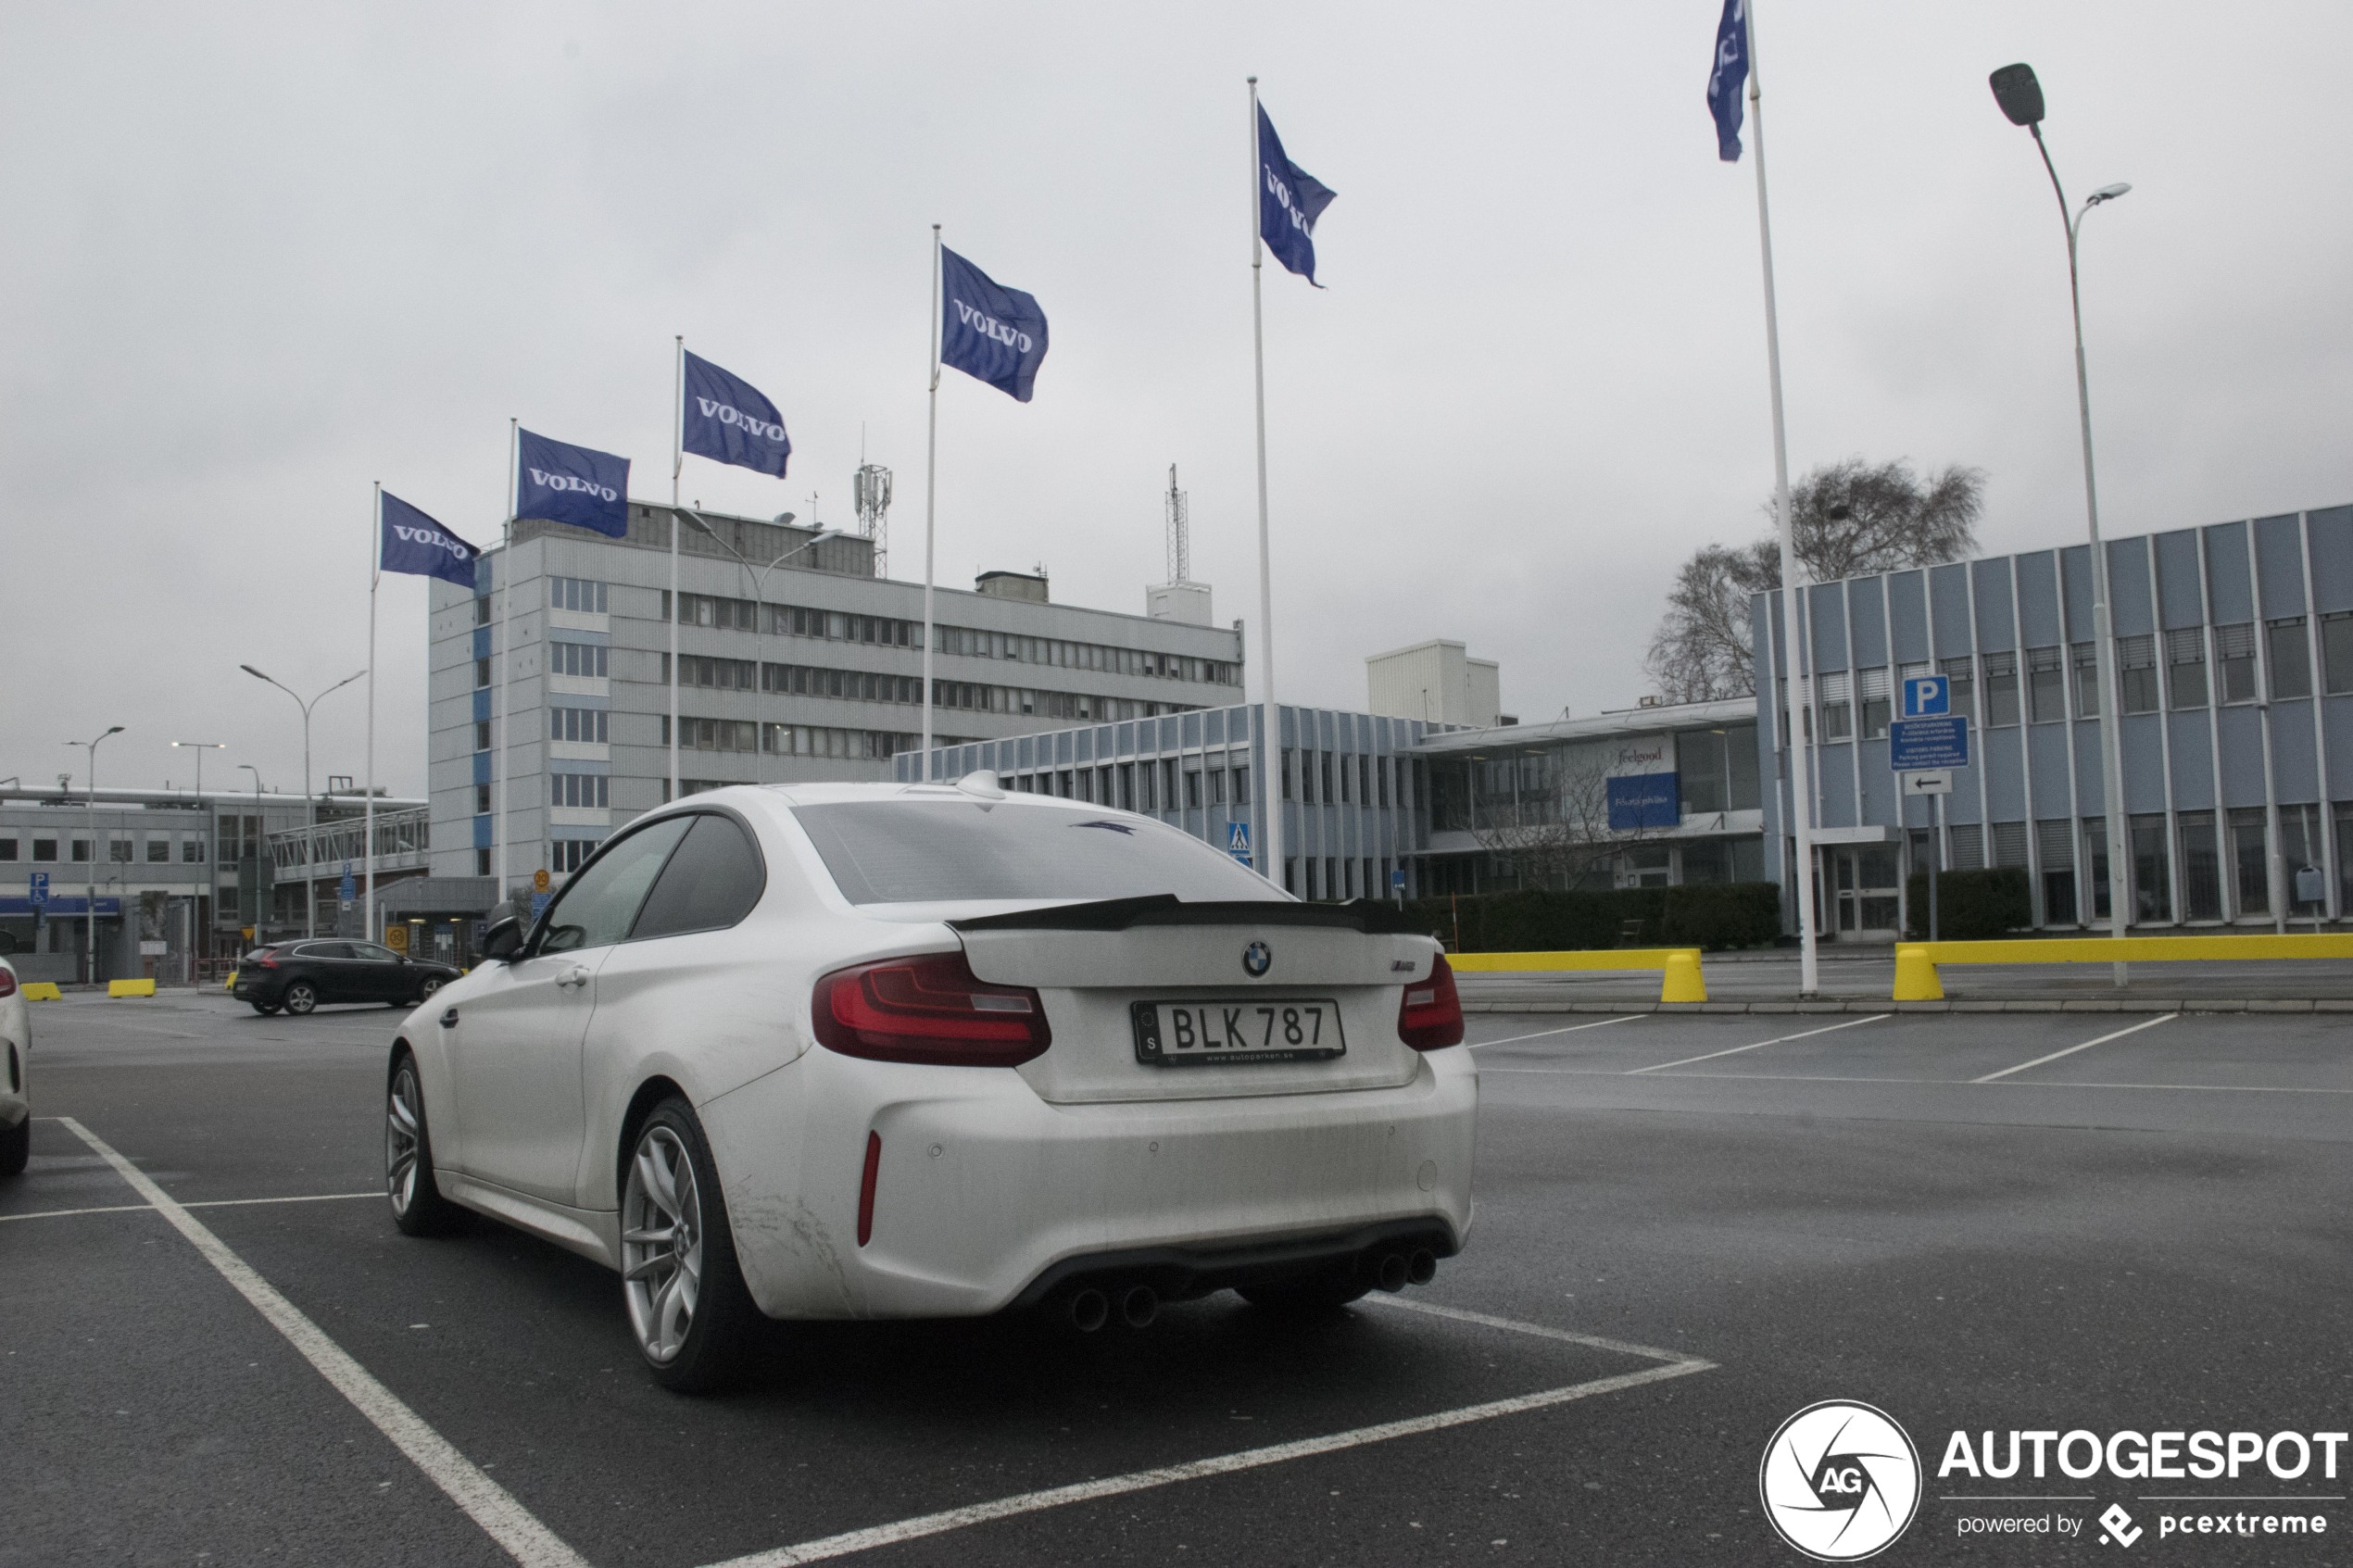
870	495
1181	538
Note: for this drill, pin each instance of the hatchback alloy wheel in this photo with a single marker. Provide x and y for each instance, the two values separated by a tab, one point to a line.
301	997
662	1247
404	1138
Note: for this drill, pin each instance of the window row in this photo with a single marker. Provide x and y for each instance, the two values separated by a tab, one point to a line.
588	725
1339	778
588	791
1341	877
578	659
576	594
160	849
800	621
712	673
792	740
1167	784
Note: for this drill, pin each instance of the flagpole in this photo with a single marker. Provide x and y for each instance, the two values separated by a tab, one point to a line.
1801	783
368	809
503	580
1273	843
677	461
931	468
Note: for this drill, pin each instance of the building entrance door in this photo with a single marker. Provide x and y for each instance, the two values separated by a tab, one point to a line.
1863	880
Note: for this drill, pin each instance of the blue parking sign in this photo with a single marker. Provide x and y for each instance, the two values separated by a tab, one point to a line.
38	888
1927	697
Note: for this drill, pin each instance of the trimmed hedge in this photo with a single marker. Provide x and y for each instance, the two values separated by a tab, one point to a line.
1713	915
1978	905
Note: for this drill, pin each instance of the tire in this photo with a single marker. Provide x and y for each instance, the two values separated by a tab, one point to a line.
301	997
418	1207
424	993
266	1010
16	1147
1308	1296
689	1312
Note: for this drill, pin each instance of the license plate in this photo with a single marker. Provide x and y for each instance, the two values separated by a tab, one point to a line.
1255	1029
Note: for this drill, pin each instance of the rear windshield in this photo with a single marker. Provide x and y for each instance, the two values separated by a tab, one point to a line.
939	851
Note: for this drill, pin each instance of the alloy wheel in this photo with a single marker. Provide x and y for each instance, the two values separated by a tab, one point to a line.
301	997
404	1133
661	1259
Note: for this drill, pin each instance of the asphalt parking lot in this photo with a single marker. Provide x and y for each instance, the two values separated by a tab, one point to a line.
1688	1228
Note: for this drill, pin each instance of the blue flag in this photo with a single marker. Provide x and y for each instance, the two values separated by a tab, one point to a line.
573	484
1290	200
990	334
1729	75
415	544
727	420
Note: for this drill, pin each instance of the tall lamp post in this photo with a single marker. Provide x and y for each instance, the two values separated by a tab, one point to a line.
759	609
2021	96
90	895
311	802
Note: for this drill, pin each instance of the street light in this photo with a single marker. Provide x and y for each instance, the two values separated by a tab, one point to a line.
256	848
2021	96
200	748
759	611
90	895
310	804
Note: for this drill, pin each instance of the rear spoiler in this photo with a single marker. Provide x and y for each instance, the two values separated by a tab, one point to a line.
1366	915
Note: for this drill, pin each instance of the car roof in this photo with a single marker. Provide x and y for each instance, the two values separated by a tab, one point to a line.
776	797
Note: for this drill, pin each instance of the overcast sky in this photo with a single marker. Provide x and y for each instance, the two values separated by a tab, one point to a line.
261	256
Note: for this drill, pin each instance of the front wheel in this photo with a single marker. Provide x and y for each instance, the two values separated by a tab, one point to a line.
301	997
424	993
418	1207
688	1309
266	1010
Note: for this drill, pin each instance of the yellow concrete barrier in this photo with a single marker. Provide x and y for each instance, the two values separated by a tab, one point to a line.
1680	981
43	991
131	987
1916	980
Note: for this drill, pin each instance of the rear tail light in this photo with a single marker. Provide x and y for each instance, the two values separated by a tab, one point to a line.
928	1009
1430	1016
7	984
268	960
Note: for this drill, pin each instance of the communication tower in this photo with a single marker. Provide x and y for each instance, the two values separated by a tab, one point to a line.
869	494
1179	598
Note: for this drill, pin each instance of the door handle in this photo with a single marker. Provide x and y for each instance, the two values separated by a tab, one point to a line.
449	1017
578	974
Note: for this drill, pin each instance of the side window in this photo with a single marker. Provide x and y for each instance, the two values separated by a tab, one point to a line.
373	954
315	949
710	883
597	908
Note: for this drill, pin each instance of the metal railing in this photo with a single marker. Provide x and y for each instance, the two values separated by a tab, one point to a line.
402	840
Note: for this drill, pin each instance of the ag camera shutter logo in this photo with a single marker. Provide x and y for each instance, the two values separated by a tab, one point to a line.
1839	1481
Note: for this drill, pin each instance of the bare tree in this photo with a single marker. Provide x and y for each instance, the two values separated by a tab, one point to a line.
1849	519
1559	835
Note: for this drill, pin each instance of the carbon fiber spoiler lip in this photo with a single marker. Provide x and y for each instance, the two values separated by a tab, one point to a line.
1365	915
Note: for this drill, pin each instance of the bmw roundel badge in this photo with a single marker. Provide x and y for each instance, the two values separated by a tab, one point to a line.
1257	959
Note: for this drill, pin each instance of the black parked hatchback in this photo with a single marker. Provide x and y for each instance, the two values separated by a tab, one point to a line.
297	976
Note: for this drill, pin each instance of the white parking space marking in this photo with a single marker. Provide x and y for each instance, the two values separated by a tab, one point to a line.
1783	1040
484	1502
1676	1365
1548	1034
206	1203
2116	1034
1933	1083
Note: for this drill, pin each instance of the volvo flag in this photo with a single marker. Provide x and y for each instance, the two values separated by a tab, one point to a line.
573	484
415	544
1729	75
1290	200
990	334
727	420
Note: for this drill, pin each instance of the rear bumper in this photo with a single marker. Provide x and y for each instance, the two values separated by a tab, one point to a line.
986	1196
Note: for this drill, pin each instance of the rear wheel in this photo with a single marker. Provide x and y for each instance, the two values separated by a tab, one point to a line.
688	1309
301	997
418	1207
16	1147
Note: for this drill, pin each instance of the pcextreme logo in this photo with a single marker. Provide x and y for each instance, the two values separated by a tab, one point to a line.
1839	1481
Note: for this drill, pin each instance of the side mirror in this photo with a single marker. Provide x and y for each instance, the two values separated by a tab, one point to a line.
504	937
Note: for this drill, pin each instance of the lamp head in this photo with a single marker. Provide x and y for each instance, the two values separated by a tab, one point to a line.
2107	194
2019	93
112	730
252	671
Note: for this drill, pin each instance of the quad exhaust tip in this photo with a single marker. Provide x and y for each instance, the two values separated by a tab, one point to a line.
1391	1272
1139	1305
1421	1265
1089	1310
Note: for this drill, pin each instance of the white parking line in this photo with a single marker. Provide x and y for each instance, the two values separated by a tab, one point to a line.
2134	1029
484	1502
206	1203
848	1542
1806	1035
1926	1082
1565	1029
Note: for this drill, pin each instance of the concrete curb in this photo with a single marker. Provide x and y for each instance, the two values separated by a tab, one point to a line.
1838	1005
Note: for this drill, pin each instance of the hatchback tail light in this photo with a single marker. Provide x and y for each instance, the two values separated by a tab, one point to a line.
1430	1016
7	984
268	960
928	1009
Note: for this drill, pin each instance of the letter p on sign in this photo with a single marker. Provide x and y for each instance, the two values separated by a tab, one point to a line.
1926	696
